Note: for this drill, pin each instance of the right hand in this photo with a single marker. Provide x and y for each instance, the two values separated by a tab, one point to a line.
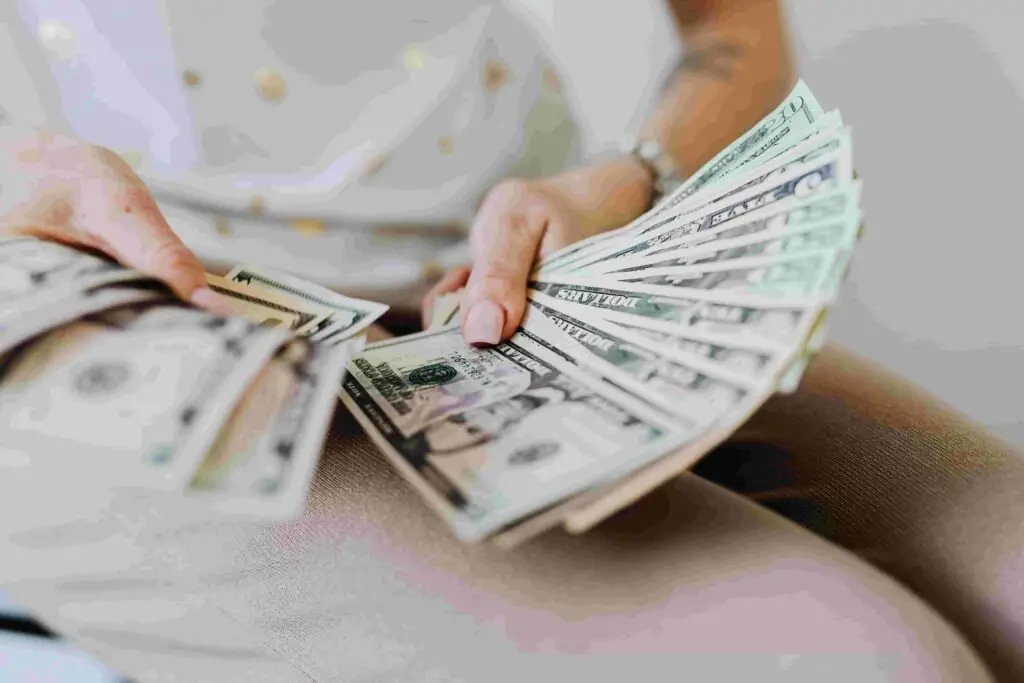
56	187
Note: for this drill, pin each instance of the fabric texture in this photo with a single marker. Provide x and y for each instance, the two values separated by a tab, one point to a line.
357	139
695	581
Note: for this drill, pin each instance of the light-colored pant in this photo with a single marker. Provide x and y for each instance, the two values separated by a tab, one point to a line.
696	582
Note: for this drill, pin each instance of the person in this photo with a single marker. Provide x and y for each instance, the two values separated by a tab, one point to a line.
444	111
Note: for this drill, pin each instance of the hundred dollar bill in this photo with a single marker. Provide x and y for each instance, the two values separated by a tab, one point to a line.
762	323
269	308
36	273
264	457
346	316
503	455
692	392
751	367
823	174
793	120
796	275
827	208
134	395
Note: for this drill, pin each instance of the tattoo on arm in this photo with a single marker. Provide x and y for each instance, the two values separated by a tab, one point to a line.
714	59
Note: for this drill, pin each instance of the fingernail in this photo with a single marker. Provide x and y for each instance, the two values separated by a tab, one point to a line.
206	298
484	323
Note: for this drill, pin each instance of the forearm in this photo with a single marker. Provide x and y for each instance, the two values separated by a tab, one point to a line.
737	66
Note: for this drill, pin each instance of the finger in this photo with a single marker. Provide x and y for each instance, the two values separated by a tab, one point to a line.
505	240
129	223
453	280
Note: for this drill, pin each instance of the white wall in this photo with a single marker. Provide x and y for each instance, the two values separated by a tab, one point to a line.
935	93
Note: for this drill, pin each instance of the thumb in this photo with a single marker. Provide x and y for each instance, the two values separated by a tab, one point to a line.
504	240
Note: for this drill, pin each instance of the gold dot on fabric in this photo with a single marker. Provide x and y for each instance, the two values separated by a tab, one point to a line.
191	78
496	75
376	164
257	206
414	58
432	270
270	83
445	144
222	227
307	226
551	80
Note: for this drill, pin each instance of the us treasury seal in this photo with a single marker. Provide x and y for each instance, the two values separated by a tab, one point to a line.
438	373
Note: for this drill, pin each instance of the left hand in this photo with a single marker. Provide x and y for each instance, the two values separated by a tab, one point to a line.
522	221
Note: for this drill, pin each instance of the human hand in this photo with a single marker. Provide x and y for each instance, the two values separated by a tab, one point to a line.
57	187
520	222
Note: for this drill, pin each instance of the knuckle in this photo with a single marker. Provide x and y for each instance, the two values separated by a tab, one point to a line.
171	256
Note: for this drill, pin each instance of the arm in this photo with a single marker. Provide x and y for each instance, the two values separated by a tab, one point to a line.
736	68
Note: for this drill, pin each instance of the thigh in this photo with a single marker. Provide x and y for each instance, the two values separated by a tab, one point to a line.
368	584
869	461
695	582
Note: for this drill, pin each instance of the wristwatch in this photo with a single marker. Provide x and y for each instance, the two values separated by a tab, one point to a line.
665	174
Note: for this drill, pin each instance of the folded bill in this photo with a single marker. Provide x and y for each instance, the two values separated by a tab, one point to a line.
820	213
793	275
270	308
264	457
491	436
344	316
34	321
36	273
445	310
761	322
742	366
134	393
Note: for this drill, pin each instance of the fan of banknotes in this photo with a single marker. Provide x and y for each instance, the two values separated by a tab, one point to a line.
641	349
106	376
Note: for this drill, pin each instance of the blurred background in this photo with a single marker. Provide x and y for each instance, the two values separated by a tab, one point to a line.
934	92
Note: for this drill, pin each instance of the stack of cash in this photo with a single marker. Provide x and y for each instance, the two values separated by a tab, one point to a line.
104	375
641	349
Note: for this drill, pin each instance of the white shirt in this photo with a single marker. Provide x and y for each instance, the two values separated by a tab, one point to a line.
346	142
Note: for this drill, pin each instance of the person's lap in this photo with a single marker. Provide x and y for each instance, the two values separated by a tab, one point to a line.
876	465
693	580
369	585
